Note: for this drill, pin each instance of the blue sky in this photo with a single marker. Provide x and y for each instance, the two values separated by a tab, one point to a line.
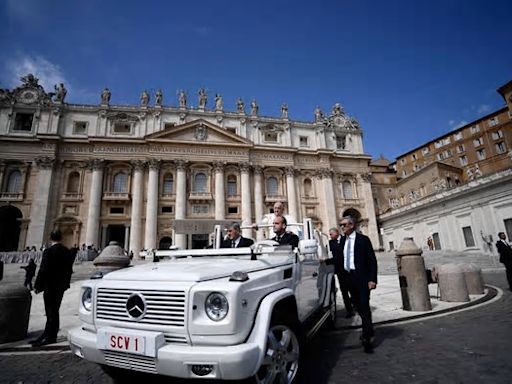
408	70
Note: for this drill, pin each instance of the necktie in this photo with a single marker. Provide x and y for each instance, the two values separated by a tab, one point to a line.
233	244
347	255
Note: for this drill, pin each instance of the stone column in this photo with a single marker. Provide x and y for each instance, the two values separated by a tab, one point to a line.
103	239
93	213
365	194
152	205
258	198
37	227
180	239
245	191
2	172
329	215
220	195
126	237
291	194
137	203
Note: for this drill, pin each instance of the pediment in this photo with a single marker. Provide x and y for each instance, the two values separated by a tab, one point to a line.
198	132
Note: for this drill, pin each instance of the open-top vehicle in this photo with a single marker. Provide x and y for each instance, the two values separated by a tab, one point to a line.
228	313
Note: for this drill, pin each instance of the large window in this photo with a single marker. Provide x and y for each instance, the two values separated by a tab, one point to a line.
23	122
348	193
14	182
468	236
231	185
73	182
168	184
340	142
120	183
200	180
272	188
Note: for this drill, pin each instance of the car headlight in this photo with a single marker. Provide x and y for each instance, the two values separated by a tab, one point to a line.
87	298
216	306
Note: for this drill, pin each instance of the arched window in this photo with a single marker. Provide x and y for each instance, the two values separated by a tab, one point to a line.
231	185
272	189
120	182
308	188
347	190
14	182
200	182
73	182
168	185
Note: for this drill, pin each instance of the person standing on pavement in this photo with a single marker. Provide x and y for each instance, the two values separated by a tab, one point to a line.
360	263
343	276
505	251
30	271
53	279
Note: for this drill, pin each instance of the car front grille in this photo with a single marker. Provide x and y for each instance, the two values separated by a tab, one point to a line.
130	361
163	307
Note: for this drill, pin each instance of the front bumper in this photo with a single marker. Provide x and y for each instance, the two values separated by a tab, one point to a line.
228	362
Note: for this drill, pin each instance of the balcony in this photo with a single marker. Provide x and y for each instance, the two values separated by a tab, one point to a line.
203	196
8	196
116	196
68	196
274	198
168	196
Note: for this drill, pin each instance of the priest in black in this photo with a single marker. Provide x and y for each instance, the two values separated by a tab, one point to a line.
505	251
282	236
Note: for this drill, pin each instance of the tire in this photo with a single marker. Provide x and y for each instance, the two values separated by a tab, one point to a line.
333	310
283	352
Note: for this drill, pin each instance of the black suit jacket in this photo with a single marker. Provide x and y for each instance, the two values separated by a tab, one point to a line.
55	270
337	255
505	252
244	242
365	261
288	238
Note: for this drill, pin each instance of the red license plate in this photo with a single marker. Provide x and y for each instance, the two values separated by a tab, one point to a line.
126	343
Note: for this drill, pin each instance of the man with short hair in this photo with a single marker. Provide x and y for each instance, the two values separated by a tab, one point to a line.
360	264
505	251
282	236
234	239
53	279
343	276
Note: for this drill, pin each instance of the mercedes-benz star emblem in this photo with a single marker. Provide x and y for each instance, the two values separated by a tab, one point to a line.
136	306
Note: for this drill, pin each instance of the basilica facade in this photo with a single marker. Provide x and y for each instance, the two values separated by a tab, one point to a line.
138	174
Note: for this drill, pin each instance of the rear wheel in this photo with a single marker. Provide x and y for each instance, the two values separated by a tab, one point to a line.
282	355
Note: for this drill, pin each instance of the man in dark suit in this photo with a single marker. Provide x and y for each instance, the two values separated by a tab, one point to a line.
282	236
53	279
234	239
343	276
505	251
360	263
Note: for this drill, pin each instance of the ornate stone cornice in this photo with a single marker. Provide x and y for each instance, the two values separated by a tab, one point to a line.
45	162
95	164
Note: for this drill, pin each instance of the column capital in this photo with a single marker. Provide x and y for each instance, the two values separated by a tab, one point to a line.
138	165
258	170
181	165
323	173
153	164
245	167
95	164
44	162
218	166
365	176
290	171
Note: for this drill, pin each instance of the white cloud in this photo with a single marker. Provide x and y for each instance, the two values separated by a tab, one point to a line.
483	108
47	72
456	125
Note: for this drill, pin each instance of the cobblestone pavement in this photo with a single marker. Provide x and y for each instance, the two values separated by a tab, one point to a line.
472	346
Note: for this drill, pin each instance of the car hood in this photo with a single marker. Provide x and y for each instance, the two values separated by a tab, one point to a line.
197	269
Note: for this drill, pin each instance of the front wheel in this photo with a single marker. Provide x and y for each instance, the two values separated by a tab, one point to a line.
282	355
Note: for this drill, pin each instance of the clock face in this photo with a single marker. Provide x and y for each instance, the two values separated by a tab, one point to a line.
338	121
28	97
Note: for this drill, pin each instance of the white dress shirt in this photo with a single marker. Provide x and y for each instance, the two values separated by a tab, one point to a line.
348	251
